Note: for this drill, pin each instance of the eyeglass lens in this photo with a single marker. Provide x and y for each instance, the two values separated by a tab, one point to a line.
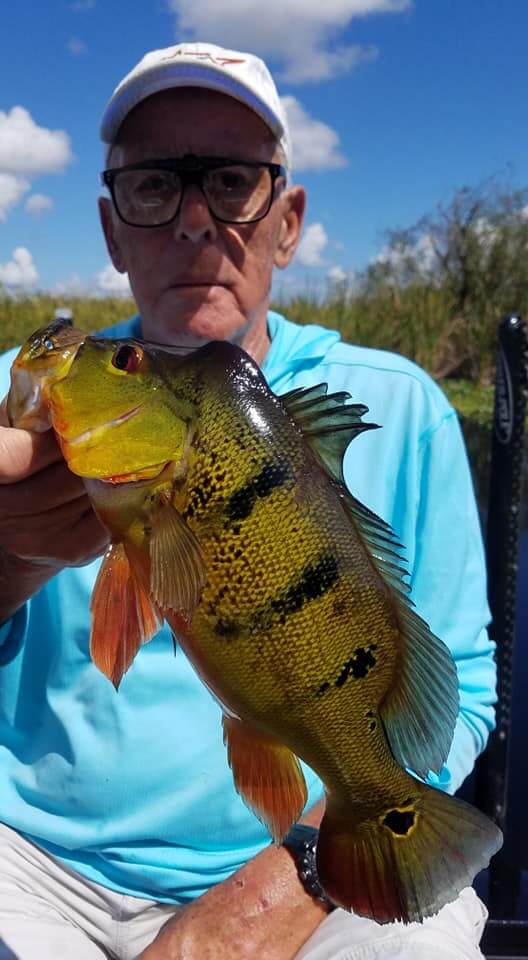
150	197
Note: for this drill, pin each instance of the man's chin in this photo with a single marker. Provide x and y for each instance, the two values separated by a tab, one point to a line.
184	323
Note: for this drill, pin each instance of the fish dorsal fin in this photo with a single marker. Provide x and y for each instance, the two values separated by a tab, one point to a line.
177	571
327	422
420	711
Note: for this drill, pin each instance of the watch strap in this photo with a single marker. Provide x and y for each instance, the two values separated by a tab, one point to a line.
301	842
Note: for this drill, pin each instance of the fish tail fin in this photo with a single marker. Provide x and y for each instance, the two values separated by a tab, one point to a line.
123	615
407	862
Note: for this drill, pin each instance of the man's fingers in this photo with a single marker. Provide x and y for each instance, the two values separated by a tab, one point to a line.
23	454
43	491
4	422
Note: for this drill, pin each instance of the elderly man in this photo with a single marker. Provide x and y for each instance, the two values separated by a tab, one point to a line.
122	833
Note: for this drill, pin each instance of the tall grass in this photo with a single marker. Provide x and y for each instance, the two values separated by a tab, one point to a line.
418	320
20	316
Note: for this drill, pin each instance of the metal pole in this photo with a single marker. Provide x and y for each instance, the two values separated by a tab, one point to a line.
502	550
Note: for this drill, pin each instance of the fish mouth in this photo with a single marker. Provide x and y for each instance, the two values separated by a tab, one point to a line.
26	407
95	432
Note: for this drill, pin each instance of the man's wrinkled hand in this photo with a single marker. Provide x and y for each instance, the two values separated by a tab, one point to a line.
46	519
45	515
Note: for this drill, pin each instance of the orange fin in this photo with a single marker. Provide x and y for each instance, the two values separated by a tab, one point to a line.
407	862
177	572
267	775
123	616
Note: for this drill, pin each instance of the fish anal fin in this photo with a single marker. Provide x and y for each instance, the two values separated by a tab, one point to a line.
123	615
407	862
177	571
267	775
328	422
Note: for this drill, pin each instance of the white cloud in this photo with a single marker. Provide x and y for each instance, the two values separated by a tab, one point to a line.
73	286
313	242
76	47
12	189
38	203
111	283
26	148
315	145
20	272
405	259
337	275
299	34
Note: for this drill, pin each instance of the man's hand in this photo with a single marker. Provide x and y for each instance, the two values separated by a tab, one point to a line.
46	520
261	911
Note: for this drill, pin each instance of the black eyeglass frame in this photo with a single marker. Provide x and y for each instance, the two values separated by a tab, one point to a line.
191	168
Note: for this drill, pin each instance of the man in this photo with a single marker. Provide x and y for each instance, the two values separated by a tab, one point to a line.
123	835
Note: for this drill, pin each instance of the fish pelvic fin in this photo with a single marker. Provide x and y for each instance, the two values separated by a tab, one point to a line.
407	862
328	423
177	569
267	775
123	615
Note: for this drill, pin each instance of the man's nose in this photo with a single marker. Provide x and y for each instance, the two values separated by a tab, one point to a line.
194	221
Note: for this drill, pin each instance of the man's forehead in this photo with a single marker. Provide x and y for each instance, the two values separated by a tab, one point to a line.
193	120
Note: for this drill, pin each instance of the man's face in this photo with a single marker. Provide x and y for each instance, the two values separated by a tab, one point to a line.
197	279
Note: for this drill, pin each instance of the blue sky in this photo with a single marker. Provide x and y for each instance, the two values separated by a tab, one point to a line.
415	99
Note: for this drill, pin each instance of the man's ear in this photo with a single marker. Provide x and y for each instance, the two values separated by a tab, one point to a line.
294	205
106	215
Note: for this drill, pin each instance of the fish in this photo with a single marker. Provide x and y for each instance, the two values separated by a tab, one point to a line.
229	518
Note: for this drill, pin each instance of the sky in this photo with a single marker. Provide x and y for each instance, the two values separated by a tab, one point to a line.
393	105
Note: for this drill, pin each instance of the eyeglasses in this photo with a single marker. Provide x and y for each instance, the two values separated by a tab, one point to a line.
150	194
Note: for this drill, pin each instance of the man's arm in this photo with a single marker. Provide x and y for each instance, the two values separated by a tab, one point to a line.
262	910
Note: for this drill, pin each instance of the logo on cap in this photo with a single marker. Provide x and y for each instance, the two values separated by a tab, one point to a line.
202	55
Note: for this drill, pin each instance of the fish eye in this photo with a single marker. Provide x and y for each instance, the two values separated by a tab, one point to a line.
127	358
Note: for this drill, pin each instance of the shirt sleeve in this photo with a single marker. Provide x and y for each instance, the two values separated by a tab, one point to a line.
449	589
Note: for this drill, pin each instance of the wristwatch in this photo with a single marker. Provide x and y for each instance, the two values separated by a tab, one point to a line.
301	842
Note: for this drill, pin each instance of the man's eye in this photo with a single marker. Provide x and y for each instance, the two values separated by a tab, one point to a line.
154	183
233	179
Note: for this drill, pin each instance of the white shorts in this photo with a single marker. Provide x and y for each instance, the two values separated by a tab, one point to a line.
48	912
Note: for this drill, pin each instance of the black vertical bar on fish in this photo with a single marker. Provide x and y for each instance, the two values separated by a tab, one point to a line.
502	551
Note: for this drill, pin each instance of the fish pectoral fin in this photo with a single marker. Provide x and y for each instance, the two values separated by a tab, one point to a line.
328	422
407	861
267	775
123	615
177	570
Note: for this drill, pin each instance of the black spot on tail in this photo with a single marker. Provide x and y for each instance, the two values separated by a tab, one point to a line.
400	822
241	502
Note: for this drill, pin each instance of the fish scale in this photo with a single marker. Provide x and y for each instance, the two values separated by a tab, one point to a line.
229	517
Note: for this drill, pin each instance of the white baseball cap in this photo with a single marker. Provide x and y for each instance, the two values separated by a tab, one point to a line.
240	75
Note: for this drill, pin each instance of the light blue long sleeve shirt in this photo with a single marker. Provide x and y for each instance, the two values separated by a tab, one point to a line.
132	789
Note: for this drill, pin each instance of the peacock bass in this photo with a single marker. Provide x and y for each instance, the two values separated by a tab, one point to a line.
229	517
